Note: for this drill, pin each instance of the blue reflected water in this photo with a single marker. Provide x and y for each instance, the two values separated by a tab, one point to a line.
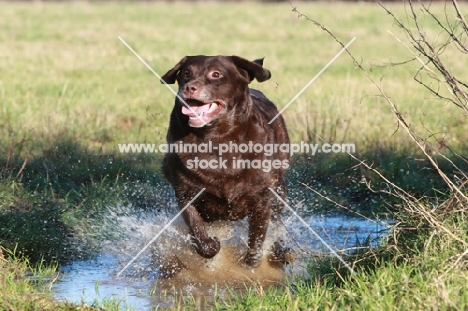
96	280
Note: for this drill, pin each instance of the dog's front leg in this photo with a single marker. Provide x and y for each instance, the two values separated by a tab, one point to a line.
206	246
258	225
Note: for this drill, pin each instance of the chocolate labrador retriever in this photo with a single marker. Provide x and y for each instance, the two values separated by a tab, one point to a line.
215	107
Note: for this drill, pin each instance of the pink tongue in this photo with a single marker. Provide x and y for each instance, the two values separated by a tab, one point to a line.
197	109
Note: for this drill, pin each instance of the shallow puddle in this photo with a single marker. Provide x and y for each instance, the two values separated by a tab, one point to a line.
139	287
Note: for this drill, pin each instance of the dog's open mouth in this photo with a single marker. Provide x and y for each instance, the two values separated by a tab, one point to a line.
201	113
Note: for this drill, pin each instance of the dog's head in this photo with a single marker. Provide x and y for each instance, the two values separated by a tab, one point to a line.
211	86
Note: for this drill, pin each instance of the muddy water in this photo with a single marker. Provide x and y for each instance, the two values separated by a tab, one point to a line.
140	286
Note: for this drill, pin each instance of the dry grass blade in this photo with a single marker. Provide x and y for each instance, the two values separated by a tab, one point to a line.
455	264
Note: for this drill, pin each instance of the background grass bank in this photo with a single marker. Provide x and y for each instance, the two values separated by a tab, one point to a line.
65	73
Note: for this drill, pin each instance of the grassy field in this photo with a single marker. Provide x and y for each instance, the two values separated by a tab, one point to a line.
65	73
70	92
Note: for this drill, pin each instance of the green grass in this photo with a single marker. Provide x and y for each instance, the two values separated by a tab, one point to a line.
70	92
65	71
26	286
423	271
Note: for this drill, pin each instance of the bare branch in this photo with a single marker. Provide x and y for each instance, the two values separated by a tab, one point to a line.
450	32
460	15
419	44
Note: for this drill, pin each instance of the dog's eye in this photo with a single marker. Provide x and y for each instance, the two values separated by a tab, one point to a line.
187	74
216	74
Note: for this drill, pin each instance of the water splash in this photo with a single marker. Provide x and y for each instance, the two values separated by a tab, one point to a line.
173	253
128	231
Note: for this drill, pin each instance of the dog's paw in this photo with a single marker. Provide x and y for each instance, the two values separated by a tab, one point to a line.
282	254
208	248
251	259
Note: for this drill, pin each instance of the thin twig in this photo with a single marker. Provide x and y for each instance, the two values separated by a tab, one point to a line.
460	15
400	119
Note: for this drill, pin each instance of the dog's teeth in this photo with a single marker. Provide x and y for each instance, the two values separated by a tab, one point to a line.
213	106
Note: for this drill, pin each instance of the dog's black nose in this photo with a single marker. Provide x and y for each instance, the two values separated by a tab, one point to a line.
190	88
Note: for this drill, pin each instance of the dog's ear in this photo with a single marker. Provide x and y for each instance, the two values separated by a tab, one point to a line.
259	61
254	69
171	76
